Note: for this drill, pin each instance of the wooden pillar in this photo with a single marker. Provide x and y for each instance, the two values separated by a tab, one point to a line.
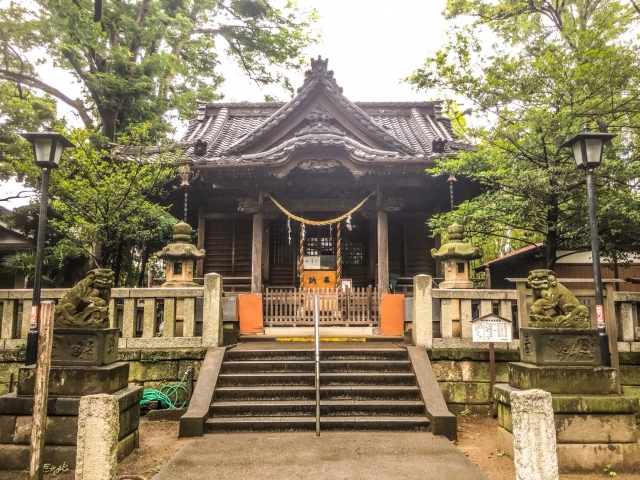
256	253
201	224
373	250
383	253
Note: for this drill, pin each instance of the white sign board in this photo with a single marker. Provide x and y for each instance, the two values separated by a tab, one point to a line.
492	328
311	262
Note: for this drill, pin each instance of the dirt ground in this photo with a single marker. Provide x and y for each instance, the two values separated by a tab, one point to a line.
159	441
477	439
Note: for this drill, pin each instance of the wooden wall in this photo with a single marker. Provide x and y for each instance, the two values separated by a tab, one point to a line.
228	246
410	247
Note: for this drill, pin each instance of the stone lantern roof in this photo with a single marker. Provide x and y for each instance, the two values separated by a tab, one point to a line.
181	248
456	248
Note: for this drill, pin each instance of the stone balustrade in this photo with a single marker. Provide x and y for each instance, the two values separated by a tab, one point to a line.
138	312
445	315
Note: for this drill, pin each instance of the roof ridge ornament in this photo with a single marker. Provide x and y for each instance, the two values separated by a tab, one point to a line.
319	71
320	122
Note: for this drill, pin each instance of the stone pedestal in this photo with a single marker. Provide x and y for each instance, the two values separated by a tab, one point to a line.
591	430
594	425
560	346
83	346
84	363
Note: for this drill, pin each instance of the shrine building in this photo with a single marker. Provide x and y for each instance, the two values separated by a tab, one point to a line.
352	172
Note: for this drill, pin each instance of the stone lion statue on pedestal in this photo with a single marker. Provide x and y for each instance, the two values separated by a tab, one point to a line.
554	306
86	304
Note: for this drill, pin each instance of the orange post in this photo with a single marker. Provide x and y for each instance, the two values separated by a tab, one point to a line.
250	313
392	314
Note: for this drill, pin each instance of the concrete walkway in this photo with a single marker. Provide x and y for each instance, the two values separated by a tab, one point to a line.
332	456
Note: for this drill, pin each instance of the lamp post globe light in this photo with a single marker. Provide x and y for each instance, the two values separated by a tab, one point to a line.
47	151
587	151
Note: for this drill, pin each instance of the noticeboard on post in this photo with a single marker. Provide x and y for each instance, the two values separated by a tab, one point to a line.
492	328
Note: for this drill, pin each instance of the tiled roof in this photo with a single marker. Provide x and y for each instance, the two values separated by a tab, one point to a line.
515	253
407	129
225	133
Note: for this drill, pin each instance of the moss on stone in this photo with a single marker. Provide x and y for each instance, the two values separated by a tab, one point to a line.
477	354
629	358
149	355
7	369
465	392
127	355
630	374
12	356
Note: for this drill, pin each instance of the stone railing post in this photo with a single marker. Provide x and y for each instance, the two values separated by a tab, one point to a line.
422	311
212	311
98	426
534	435
627	321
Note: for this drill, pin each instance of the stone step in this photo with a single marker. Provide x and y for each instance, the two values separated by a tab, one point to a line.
298	366
325	354
308	379
328	408
345	392
308	422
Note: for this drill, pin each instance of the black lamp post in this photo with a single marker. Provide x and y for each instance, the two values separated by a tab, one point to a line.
587	151
47	150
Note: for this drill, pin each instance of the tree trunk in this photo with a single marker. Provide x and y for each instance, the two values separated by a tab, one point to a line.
143	265
130	280
118	264
109	122
616	270
551	247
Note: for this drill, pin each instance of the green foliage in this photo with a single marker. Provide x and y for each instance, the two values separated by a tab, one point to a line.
554	69
147	57
20	263
123	196
145	60
607	470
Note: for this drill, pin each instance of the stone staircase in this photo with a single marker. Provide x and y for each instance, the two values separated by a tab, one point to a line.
274	389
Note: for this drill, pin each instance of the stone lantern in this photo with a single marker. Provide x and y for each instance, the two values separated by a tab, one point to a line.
180	257
456	255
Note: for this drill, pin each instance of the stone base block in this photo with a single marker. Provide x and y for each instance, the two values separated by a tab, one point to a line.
563	380
62	428
505	442
77	380
591	430
592	457
84	346
16	457
560	346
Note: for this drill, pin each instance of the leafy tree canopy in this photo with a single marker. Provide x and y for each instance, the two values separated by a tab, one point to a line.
144	59
147	57
554	68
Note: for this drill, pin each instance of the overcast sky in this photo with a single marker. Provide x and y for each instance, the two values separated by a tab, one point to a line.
371	45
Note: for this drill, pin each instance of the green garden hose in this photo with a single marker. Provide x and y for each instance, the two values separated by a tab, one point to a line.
167	396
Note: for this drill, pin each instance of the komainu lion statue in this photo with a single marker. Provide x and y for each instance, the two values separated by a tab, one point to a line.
86	304
553	305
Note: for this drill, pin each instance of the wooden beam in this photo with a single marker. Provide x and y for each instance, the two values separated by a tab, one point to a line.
41	391
256	253
320	205
383	253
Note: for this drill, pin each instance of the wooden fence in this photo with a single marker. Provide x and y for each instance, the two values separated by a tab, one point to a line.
288	306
